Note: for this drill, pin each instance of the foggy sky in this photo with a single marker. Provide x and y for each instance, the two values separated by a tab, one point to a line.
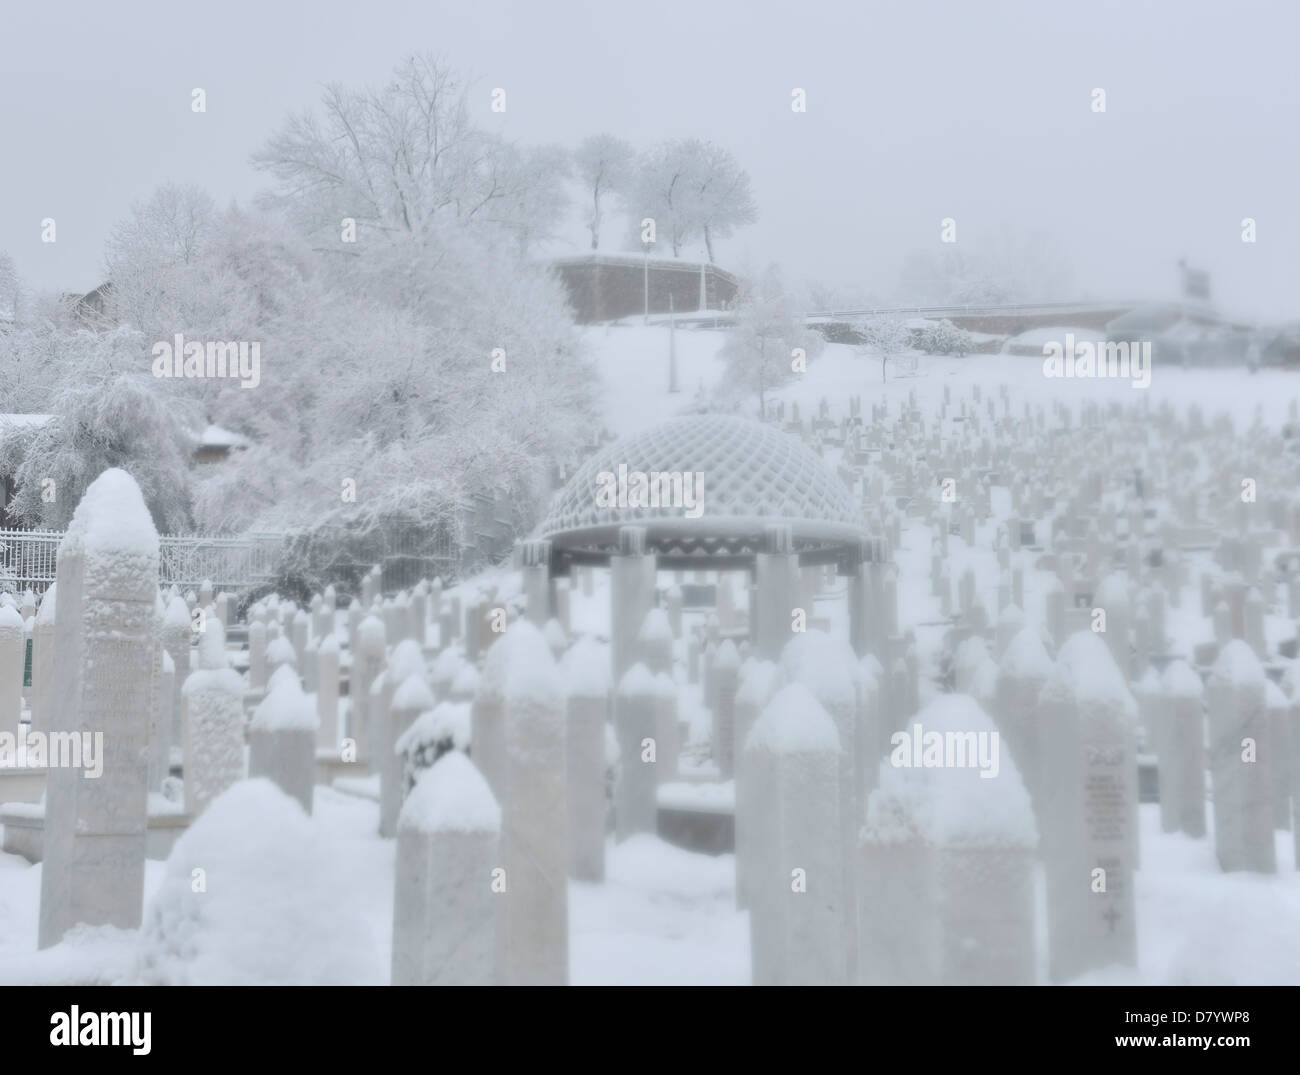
916	112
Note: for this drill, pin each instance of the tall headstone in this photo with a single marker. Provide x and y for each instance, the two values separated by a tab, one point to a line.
12	659
43	661
635	724
105	631
444	907
632	594
367	664
214	724
758	683
796	893
282	740
586	675
1181	750
411	698
327	693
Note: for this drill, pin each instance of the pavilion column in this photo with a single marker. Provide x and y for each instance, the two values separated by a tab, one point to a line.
535	563
776	591
865	590
632	594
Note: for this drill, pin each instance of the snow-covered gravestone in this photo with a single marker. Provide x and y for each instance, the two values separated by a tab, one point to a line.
759	681
796	894
12	658
1181	750
444	728
1089	809
1280	746
1023	673
487	711
411	698
214	724
327	693
279	654
43	661
177	635
367	663
1240	756
726	675
635	724
828	667
94	836
444	906
946	888
257	655
282	739
534	948
586	676
160	741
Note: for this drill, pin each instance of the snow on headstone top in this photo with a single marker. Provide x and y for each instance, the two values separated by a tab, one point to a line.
447	664
168	665
285	708
413	693
371	637
466	680
329	644
823	663
1087	672
951	805
531	673
586	669
446	720
112	518
283	673
871	663
11	623
1149	684
727	657
1011	615
553	632
637	682
280	651
665	685
1026	657
212	646
655	627
794	722
1238	666
759	680
45	614
523	643
451	796
407	660
177	614
1112	593
1273	697
1181	681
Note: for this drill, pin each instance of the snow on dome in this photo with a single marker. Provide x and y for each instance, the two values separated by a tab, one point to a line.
285	708
794	722
586	668
1237	665
951	805
637	682
1087	671
280	651
447	664
753	475
1182	681
112	518
450	796
413	693
1026	657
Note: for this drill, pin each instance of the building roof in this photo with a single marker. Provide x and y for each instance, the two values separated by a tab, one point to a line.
751	476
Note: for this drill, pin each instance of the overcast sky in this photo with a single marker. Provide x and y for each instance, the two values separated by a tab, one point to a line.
916	111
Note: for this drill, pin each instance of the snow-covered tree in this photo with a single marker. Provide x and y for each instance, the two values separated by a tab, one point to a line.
883	336
724	200
761	349
943	338
604	165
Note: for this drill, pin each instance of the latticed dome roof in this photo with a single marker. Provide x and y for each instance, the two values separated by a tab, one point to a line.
752	476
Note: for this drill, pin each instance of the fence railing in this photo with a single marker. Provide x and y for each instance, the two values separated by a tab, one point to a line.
29	558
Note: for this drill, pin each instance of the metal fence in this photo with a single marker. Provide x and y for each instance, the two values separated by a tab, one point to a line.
28	559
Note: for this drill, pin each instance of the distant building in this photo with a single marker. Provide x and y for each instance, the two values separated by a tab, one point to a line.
607	287
215	445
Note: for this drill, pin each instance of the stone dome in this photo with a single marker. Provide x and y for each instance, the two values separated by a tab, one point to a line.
751	476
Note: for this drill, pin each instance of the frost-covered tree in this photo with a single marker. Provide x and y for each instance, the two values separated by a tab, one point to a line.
883	336
604	166
111	413
760	352
692	189
943	338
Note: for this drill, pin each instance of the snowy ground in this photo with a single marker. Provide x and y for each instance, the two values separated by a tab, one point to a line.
665	916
